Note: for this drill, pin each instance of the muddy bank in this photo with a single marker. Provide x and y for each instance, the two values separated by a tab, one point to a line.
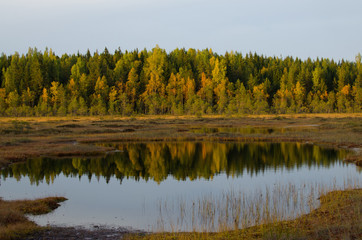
73	233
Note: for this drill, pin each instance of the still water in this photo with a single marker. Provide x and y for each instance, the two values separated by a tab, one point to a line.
255	130
133	186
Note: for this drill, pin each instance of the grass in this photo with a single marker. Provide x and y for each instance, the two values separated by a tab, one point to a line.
13	222
23	138
338	217
237	209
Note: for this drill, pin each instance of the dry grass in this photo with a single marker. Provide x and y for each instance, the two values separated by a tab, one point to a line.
23	138
338	217
13	223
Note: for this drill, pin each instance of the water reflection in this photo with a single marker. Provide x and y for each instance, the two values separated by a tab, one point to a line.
182	160
254	130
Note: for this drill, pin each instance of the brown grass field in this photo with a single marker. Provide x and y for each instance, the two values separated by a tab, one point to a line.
339	216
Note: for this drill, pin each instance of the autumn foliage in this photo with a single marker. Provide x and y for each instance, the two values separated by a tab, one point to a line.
180	82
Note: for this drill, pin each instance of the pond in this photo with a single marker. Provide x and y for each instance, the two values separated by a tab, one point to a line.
182	185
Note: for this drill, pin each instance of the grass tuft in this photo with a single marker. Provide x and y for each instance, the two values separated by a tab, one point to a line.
14	224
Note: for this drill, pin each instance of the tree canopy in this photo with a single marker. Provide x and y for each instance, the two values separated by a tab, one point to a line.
180	82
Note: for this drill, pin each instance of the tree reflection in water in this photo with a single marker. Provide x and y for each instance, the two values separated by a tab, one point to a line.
156	161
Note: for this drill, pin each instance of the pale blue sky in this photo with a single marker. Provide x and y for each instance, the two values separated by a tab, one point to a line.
304	28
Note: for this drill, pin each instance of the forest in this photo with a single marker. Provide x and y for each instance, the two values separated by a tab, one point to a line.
192	82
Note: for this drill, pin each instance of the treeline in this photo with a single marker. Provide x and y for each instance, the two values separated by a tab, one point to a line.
180	82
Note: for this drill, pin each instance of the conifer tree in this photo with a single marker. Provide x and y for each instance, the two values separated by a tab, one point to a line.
13	102
12	75
132	88
3	105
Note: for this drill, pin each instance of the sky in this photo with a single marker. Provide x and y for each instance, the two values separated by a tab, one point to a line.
298	28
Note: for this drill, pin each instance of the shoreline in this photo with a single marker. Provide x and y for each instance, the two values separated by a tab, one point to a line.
71	141
24	138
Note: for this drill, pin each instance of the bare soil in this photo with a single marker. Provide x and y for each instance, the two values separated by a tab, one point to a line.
75	233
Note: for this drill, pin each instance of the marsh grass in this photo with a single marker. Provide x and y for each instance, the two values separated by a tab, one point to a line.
13	222
236	209
323	211
332	129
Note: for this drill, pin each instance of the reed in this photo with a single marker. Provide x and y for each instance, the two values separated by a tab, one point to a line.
236	209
